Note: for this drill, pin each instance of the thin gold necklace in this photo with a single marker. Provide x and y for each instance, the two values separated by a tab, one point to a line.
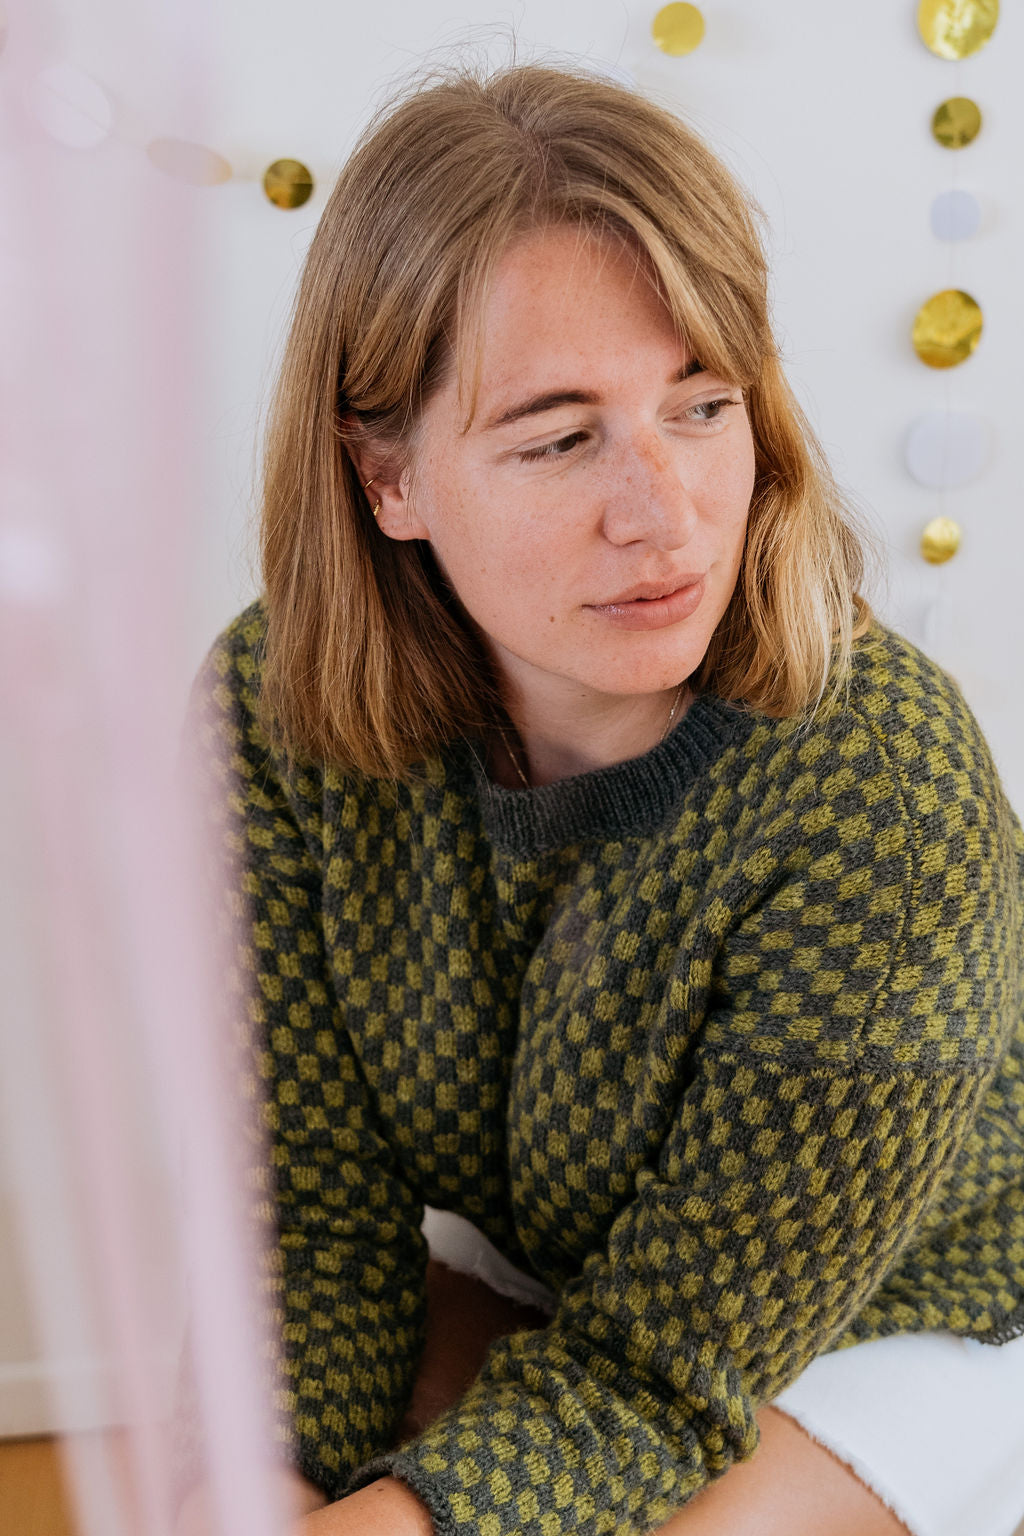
515	761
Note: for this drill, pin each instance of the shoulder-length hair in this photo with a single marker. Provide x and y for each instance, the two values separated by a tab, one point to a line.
370	662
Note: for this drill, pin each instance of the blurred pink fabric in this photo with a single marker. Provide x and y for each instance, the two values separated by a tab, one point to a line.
120	1122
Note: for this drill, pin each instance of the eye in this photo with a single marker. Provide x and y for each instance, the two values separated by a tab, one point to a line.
710	405
563	446
553	450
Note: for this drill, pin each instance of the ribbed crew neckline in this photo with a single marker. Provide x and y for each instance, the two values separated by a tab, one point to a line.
624	798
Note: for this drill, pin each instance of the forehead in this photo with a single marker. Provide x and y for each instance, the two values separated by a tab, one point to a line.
561	275
558	303
571	251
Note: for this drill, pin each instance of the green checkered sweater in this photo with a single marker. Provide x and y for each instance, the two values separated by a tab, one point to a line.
723	1043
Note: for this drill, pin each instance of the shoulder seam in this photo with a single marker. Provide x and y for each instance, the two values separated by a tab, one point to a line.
913	854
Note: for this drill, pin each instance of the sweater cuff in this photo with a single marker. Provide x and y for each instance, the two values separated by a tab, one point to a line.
410	1472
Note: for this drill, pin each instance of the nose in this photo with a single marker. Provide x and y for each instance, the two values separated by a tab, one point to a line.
649	495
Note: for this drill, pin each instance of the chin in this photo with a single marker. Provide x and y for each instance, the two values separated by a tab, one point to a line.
641	682
663	667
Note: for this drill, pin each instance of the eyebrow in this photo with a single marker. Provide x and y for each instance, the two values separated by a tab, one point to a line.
547	402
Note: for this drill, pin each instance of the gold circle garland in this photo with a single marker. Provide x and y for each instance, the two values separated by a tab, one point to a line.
953	29
678	29
288	183
956	122
940	540
947	328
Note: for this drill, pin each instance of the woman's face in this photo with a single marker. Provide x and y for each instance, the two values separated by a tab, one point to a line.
630	476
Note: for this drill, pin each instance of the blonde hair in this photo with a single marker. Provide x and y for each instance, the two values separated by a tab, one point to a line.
369	663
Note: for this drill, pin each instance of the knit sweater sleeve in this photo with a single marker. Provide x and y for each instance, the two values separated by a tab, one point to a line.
838	1029
345	1285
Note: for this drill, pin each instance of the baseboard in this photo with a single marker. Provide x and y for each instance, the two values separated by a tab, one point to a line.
72	1396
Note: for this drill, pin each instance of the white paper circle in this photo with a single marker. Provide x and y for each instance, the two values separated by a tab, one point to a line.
71	107
946	448
955	216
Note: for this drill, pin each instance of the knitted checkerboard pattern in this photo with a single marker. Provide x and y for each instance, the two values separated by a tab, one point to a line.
725	1044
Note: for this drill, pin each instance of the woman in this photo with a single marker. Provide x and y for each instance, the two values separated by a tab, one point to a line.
612	879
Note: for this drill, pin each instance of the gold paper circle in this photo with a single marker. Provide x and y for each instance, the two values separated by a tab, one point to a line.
955	28
947	328
940	540
288	183
194	163
678	29
956	122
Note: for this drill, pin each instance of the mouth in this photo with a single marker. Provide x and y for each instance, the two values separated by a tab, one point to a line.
651	592
655	612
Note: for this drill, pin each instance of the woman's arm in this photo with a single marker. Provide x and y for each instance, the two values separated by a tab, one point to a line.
387	1507
197	1518
343	1283
464	1317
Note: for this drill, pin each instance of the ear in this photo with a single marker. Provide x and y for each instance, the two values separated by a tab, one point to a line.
396	518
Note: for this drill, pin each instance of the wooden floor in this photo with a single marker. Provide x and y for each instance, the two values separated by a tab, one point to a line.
34	1499
33	1495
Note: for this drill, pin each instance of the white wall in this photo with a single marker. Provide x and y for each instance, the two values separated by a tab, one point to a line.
823	111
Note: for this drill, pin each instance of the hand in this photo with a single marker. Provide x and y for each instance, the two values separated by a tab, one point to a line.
196	1516
384	1508
464	1316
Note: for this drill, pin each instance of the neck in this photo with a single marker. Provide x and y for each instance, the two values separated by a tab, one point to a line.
602	730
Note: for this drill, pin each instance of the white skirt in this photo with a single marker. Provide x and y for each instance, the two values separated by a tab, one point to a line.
934	1424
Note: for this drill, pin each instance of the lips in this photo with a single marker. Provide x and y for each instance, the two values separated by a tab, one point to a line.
645	591
654	612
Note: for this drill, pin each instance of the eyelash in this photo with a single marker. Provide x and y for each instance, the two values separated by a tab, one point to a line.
547	451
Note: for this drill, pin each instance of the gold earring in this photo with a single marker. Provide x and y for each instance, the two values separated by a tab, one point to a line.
366	487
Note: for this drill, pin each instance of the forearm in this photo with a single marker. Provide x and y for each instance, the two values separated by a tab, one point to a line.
463	1316
384	1508
197	1518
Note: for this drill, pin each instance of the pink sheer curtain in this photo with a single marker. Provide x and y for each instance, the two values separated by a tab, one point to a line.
123	1123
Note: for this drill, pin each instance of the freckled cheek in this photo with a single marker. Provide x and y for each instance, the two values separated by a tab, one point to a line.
507	578
509	562
531	564
731	487
733	469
